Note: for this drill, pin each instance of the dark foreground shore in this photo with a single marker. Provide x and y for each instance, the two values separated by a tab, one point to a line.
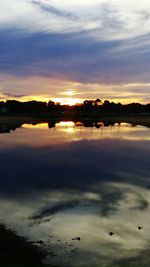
16	251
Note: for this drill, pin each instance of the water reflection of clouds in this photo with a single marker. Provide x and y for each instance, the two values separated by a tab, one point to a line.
84	188
84	219
79	132
40	135
74	165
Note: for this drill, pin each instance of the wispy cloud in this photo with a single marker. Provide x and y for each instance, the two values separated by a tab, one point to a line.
88	42
48	7
108	20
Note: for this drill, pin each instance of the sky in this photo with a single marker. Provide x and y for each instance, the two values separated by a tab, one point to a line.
68	51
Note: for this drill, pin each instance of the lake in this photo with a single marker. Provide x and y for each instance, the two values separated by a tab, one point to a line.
80	188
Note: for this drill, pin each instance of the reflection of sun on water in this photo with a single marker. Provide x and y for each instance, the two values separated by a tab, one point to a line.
77	131
67	126
92	206
36	126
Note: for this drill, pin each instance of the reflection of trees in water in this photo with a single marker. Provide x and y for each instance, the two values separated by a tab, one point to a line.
96	124
51	124
8	127
86	124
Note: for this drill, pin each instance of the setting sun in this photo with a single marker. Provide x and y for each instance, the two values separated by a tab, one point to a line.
68	100
74	133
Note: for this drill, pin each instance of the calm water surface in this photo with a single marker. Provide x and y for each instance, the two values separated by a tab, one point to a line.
59	183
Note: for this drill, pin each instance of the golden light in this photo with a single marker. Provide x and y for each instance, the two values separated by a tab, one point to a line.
66	126
43	98
68	93
122	93
37	126
68	100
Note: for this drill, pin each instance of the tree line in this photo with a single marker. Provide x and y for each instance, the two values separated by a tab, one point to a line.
88	107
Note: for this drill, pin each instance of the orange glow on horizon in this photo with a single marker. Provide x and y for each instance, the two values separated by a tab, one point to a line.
70	100
68	92
45	98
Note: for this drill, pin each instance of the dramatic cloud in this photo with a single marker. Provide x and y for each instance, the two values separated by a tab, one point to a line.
95	42
84	188
110	19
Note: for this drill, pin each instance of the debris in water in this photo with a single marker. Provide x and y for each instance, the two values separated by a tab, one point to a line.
111	233
77	238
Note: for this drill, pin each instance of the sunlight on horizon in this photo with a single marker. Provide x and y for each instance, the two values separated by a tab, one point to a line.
71	101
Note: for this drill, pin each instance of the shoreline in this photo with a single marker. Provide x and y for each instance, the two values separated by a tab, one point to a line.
17	119
17	251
